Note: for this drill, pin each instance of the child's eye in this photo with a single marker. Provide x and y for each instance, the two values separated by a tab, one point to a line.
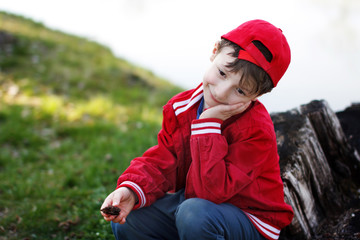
240	91
222	73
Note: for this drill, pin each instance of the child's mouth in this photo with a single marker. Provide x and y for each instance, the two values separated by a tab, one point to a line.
214	99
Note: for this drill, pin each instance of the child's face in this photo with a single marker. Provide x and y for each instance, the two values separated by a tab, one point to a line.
222	86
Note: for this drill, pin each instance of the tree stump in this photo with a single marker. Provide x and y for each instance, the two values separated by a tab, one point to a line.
317	166
350	123
342	157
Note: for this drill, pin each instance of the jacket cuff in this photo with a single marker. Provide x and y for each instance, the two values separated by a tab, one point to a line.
137	190
206	126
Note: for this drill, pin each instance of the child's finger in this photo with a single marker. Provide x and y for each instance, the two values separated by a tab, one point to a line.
108	201
241	107
119	219
109	218
116	199
234	109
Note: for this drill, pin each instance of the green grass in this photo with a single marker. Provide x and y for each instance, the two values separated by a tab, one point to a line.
72	116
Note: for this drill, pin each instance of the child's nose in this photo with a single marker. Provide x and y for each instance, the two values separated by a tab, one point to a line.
223	91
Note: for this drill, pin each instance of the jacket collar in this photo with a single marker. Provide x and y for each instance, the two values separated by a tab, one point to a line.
184	105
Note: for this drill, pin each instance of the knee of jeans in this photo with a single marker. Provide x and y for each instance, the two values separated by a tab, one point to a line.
117	229
192	213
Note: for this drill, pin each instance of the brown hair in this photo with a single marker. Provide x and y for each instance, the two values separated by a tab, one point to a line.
252	75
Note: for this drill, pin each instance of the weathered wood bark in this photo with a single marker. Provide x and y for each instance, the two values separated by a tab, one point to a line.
318	166
350	123
342	157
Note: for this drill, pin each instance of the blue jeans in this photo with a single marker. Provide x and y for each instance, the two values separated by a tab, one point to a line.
173	217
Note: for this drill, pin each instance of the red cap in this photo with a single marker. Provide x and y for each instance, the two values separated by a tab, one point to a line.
271	37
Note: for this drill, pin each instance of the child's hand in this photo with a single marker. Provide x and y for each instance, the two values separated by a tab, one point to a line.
224	112
123	198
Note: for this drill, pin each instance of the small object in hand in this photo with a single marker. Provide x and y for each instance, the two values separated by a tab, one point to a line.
111	210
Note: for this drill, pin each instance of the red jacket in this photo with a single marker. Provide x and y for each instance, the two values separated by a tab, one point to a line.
234	161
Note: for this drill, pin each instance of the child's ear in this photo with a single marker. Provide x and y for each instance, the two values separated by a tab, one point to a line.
215	51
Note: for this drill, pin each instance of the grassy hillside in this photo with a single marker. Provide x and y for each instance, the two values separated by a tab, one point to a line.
72	116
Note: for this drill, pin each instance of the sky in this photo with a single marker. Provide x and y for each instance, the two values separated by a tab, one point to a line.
174	39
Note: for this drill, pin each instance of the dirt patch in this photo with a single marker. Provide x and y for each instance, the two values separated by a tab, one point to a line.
111	210
344	227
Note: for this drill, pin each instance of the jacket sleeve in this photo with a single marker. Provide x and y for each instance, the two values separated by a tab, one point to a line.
154	173
219	169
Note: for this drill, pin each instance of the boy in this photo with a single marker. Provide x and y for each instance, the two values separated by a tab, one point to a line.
216	152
